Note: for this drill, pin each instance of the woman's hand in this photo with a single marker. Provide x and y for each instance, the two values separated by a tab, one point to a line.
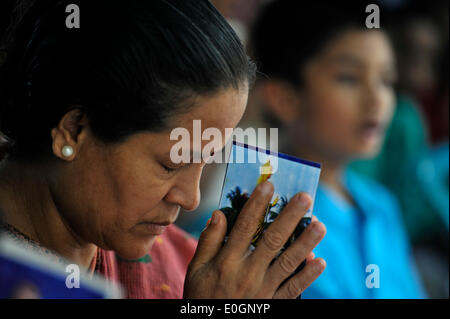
232	271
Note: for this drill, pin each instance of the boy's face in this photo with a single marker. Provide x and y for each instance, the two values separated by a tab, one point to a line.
348	98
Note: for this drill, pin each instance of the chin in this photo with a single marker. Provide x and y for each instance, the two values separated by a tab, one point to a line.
367	153
134	249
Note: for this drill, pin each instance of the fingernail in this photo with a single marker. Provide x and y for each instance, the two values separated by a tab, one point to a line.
266	187
320	265
207	224
215	218
316	230
305	201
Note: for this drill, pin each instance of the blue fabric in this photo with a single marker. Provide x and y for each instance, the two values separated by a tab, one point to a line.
433	176
370	232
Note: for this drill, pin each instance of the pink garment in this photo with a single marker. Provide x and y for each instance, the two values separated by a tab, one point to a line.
158	275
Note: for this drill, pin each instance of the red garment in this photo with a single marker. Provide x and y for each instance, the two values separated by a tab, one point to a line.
158	275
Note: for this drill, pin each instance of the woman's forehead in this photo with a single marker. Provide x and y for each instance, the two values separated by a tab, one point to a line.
220	110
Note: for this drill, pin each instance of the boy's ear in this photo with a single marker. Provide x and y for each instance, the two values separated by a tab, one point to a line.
282	100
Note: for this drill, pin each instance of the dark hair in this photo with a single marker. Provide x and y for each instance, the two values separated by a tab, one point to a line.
287	34
129	66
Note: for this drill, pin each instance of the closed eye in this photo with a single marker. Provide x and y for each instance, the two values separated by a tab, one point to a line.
169	169
347	78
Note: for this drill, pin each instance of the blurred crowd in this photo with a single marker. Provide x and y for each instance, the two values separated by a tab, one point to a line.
413	161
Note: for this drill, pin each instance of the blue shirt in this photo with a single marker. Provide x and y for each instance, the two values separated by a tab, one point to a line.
368	233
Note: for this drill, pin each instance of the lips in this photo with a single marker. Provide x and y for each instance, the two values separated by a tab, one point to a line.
372	129
154	228
156	225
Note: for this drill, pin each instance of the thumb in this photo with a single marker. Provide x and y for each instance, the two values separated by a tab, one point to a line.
211	239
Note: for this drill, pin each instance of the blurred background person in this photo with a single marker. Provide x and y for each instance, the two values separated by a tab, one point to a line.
415	150
331	89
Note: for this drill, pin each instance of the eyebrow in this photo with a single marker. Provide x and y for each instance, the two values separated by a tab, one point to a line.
347	59
351	60
191	158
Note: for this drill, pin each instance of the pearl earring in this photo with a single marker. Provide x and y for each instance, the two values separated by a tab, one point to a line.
67	150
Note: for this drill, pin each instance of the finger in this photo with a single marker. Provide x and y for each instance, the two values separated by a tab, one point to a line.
281	229
210	241
297	284
314	219
288	262
248	221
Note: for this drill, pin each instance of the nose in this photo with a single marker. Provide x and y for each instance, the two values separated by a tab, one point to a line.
191	200
186	192
373	98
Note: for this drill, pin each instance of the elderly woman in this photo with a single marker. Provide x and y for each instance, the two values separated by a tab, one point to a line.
87	173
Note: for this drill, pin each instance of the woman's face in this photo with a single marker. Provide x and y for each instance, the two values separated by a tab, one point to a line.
348	99
113	195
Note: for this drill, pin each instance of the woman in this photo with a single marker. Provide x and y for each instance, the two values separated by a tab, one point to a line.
88	113
331	88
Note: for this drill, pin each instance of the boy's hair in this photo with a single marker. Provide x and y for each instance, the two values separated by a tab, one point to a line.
287	34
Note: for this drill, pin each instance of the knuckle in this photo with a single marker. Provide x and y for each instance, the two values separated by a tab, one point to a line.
245	226
245	284
294	289
287	263
273	240
223	268
223	274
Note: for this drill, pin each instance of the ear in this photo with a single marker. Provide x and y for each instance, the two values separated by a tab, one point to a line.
282	100
71	130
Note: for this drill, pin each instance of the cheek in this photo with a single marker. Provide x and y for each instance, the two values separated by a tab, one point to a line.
388	102
333	111
137	190
134	197
113	194
84	195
